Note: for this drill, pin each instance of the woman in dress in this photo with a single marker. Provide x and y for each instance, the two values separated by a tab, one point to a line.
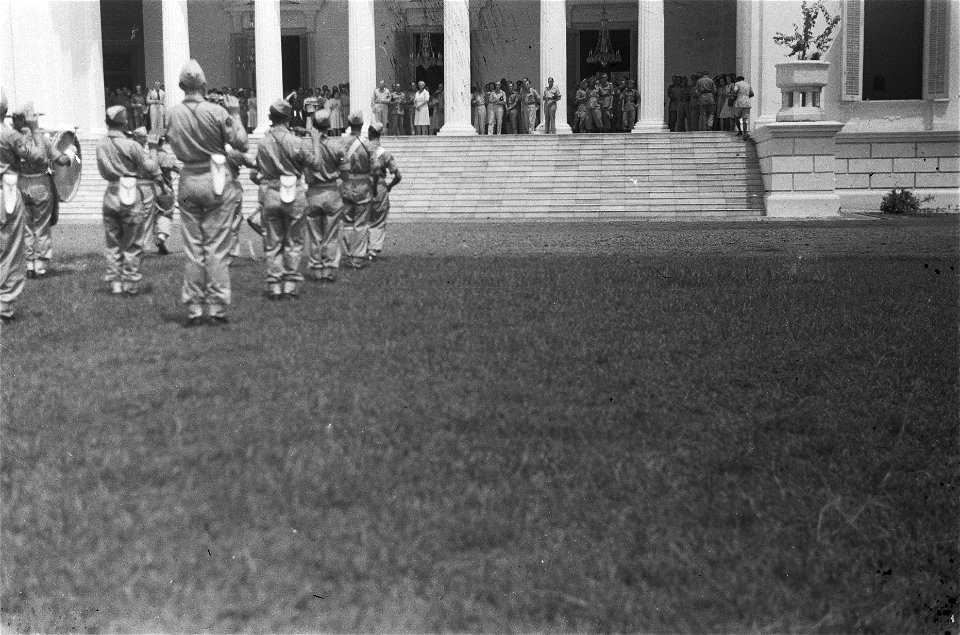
421	102
335	106
155	109
478	110
725	90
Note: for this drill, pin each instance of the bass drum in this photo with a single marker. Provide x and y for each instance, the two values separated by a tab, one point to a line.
66	178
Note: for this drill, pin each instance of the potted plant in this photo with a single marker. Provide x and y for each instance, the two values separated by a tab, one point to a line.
802	80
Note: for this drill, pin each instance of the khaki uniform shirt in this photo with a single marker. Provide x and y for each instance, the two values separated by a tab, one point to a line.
119	156
329	154
197	129
283	153
16	147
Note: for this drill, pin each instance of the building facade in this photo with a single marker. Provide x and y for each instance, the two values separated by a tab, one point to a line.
892	94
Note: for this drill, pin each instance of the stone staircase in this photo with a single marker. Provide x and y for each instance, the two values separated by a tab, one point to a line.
535	177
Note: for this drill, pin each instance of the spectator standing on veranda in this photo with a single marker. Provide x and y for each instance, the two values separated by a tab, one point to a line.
156	110
551	97
496	102
380	104
478	110
630	98
335	106
531	104
409	108
421	102
138	106
396	111
704	90
741	107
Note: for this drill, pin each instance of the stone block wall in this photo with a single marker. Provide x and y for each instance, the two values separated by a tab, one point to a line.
870	164
797	162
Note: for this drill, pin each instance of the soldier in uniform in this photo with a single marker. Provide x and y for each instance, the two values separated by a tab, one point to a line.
14	148
127	202
381	103
551	97
158	201
605	95
358	174
199	133
282	158
384	164
324	203
594	111
39	194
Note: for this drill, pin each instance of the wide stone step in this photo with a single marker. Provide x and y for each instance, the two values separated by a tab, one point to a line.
522	177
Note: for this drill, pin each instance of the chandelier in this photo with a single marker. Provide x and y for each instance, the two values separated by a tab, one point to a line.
604	54
425	57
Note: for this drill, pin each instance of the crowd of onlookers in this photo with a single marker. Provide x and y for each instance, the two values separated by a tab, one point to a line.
600	104
146	109
702	102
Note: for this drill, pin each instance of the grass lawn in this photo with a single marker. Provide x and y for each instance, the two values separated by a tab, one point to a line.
636	427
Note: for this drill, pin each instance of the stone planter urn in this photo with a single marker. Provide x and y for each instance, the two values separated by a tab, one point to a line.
801	83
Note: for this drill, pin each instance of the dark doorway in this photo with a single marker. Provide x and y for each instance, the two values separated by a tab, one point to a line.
619	41
121	25
893	49
432	76
291	54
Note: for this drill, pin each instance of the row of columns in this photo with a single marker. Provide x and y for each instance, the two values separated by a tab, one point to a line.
456	68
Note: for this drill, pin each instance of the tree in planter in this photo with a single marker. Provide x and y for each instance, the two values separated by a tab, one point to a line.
802	41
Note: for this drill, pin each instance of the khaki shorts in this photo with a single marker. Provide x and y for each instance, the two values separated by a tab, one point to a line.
741	112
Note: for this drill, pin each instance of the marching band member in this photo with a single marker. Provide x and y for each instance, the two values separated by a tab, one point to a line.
358	175
38	192
199	133
384	164
325	206
14	148
282	157
127	202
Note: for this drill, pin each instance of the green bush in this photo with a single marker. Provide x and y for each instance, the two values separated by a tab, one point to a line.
902	202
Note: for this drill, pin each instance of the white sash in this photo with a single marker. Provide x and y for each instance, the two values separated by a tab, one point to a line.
128	190
218	172
288	188
10	191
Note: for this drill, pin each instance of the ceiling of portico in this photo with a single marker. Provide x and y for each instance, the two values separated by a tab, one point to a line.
485	15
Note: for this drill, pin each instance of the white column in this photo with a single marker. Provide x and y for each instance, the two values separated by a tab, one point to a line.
176	48
553	56
456	69
269	65
363	60
40	54
650	62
